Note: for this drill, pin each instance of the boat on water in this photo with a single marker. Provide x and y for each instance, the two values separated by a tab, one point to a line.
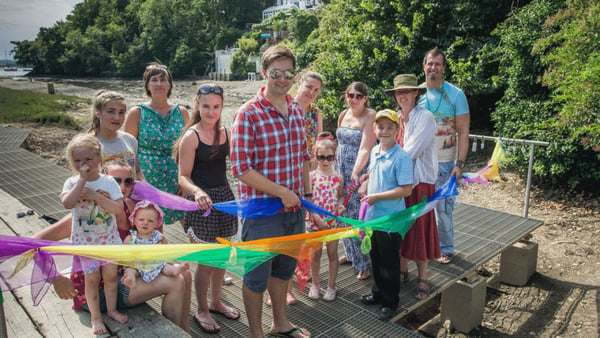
11	69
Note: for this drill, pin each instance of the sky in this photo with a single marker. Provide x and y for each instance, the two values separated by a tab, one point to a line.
22	19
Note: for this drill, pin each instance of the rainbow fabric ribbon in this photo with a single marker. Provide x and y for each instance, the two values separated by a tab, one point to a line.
17	253
491	172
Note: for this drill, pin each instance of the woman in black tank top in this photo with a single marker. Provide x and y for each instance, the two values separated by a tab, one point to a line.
201	154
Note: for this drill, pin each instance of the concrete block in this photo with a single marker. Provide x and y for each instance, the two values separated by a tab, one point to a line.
463	304
518	263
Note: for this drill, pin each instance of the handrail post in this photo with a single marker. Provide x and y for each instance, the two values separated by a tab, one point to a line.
528	186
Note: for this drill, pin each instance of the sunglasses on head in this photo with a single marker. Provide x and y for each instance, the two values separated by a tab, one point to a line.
276	74
329	158
206	89
128	180
156	67
358	96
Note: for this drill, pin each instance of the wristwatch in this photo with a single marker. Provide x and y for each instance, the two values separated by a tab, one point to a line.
460	164
308	195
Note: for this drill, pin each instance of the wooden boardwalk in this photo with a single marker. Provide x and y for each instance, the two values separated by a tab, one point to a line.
480	234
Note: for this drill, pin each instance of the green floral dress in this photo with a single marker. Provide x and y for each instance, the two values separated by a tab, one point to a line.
156	137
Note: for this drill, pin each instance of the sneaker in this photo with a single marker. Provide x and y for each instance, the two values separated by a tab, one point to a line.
330	294
227	280
313	293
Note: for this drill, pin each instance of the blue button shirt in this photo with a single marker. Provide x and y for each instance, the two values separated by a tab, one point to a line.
387	171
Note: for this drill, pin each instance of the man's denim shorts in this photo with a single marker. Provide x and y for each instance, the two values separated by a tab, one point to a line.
280	266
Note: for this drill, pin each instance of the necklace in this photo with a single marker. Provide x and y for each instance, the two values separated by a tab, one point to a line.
439	102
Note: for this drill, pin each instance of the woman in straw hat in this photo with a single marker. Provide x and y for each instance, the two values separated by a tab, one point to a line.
417	137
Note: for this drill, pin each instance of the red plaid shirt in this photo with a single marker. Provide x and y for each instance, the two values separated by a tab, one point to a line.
263	140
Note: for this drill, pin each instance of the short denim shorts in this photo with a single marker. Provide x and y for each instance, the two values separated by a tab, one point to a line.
280	266
122	297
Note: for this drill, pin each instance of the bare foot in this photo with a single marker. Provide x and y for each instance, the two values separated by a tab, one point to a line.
118	316
181	268
290	298
364	274
128	279
98	326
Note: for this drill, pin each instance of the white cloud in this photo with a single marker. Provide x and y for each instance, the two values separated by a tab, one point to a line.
22	19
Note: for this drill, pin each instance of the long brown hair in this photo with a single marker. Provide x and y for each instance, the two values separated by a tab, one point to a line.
101	98
361	88
195	118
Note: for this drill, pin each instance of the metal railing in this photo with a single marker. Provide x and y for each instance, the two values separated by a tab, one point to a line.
532	145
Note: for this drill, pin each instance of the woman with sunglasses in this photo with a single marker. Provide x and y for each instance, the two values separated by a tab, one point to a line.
356	137
175	290
201	154
156	125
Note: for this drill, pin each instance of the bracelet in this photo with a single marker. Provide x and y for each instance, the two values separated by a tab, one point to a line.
308	195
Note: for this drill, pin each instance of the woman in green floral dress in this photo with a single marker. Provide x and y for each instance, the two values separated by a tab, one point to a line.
157	125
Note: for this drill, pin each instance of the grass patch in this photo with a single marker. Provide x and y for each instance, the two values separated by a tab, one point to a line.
45	109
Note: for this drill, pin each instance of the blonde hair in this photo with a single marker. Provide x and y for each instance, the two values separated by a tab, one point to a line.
84	140
307	74
116	161
101	98
325	141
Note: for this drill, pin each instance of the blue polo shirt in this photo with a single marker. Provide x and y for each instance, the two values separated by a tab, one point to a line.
387	171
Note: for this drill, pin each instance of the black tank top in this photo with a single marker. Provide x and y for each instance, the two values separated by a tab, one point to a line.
210	172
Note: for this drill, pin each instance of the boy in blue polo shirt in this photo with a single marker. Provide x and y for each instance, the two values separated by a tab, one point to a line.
389	180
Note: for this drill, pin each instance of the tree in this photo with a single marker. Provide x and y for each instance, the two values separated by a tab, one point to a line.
549	65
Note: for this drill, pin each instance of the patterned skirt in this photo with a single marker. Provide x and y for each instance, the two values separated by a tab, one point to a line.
217	224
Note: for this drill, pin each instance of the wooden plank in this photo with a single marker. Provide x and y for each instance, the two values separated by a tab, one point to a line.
18	323
54	317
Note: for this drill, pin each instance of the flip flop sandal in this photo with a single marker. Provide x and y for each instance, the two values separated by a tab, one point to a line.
229	313
203	323
290	333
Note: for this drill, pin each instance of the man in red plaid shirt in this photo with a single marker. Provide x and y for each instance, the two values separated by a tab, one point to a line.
270	159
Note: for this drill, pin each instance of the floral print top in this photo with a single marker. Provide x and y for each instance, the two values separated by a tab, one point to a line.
311	126
325	195
156	137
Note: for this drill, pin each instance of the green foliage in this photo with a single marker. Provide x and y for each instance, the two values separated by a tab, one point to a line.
372	41
549	68
119	37
247	45
241	64
29	106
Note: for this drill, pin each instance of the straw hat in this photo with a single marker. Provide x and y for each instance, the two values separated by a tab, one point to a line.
405	81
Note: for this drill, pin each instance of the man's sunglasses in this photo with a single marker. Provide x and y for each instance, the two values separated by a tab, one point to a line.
276	74
358	96
206	89
128	181
322	158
